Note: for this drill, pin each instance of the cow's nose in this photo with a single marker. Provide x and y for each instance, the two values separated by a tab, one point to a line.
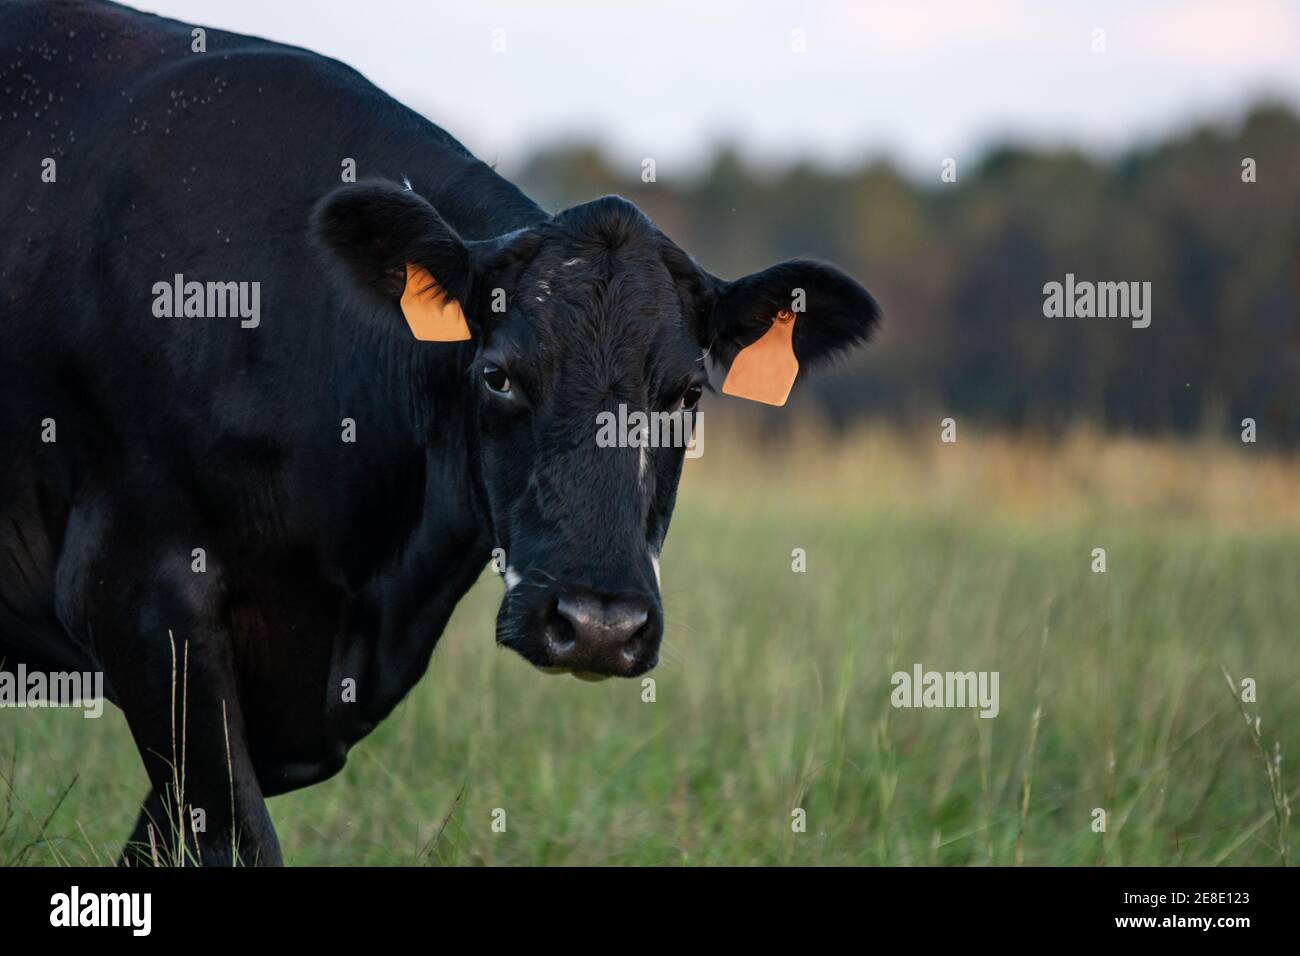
603	633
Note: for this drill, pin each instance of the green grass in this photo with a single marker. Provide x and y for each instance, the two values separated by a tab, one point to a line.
774	694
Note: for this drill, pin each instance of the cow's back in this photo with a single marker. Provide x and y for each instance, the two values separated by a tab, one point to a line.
165	160
169	161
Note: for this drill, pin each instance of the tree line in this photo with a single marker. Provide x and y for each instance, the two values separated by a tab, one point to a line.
1207	222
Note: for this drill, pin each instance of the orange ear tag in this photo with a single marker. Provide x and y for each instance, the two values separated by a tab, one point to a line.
432	315
765	371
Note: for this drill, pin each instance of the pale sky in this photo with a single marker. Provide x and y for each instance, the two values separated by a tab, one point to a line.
918	81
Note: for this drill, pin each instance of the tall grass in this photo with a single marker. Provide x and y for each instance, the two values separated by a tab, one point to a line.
774	689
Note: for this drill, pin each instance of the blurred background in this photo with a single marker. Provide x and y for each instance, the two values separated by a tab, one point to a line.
819	128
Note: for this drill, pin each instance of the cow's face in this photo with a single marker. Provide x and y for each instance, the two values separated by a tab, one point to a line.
580	324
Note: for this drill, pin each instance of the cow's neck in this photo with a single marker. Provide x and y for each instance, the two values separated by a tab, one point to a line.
413	593
476	202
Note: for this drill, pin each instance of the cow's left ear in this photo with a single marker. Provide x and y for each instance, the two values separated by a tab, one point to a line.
769	326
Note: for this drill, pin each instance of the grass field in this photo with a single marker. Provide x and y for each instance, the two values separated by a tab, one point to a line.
774	691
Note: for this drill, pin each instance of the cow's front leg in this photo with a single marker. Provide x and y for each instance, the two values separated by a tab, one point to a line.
168	656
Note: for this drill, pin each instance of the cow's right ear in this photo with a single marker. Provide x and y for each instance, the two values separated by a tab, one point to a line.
396	247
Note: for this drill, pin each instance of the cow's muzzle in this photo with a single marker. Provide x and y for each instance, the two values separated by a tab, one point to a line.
592	634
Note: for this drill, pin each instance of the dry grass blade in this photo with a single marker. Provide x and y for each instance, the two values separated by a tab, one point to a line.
433	840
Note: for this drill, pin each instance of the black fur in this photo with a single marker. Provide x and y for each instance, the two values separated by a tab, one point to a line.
326	561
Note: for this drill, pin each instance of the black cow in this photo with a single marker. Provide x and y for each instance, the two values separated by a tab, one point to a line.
134	433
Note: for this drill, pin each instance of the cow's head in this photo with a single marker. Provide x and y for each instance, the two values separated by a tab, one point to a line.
570	318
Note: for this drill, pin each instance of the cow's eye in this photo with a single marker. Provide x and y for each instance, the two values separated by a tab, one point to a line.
691	397
496	380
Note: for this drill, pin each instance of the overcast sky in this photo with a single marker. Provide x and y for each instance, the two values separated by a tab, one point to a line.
913	79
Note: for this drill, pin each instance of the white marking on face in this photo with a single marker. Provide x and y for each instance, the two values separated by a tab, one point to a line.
645	462
512	579
654	562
